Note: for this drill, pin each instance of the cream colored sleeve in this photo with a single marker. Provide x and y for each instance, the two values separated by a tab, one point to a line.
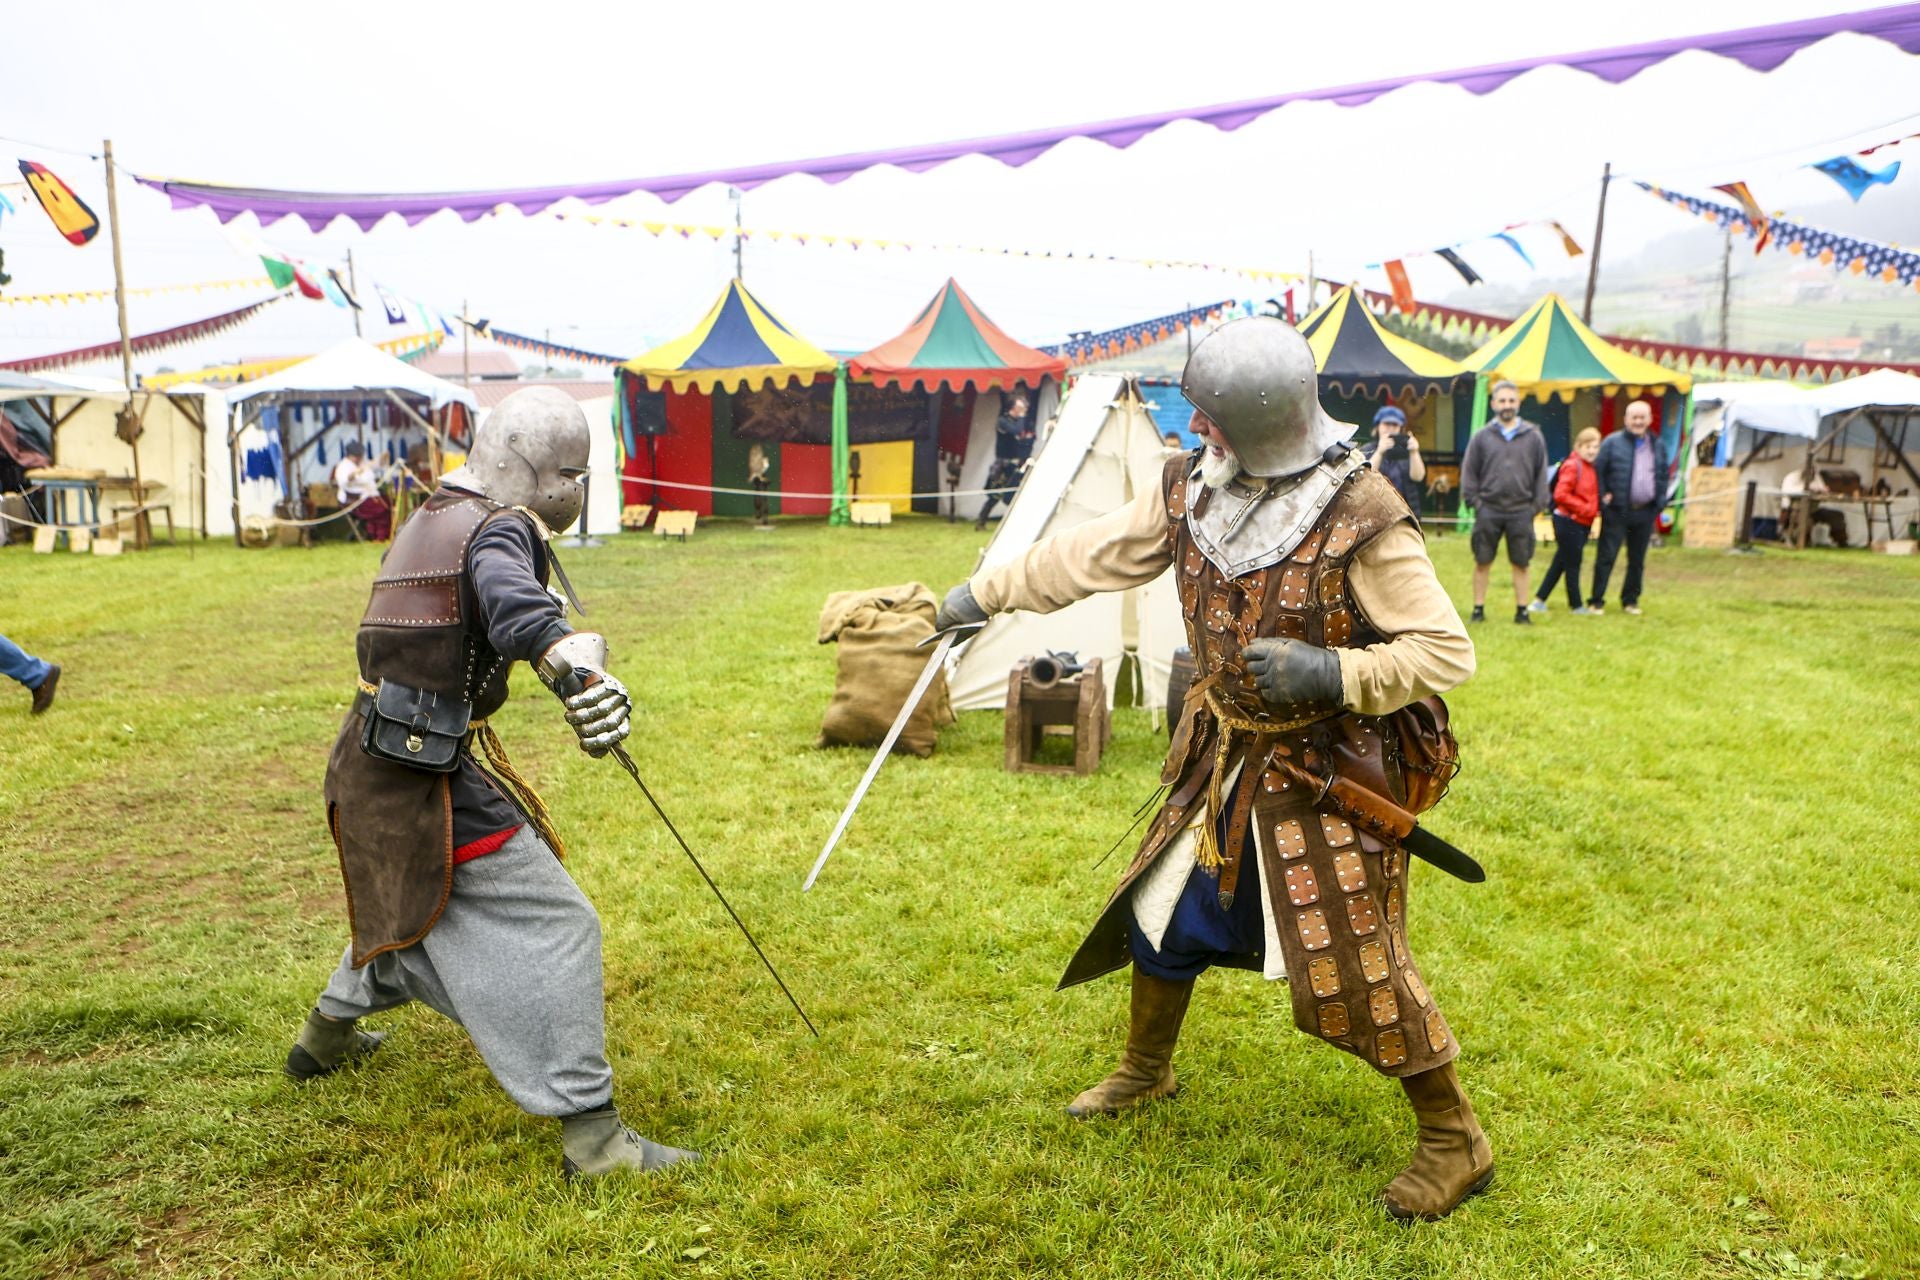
1124	548
1426	650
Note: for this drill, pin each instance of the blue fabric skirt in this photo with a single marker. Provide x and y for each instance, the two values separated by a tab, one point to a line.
1202	934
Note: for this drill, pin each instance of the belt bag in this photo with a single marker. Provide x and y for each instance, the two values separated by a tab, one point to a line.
413	727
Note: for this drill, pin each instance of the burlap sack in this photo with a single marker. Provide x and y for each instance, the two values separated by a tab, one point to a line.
877	631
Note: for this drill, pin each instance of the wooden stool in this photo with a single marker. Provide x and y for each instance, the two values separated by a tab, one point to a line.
1040	694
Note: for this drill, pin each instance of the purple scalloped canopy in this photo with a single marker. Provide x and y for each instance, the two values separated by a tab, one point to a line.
1758	48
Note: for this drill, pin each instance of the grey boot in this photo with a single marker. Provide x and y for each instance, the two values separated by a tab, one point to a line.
325	1045
593	1143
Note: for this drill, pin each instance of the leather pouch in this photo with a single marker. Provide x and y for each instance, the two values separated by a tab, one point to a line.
1429	755
413	727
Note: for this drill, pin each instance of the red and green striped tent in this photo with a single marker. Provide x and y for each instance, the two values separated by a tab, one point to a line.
952	346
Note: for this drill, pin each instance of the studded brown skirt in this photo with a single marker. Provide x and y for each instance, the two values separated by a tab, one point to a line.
1340	906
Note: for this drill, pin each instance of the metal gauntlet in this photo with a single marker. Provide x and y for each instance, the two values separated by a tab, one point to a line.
598	706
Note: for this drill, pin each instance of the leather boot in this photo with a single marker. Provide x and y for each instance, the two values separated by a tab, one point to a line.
597	1142
1453	1160
43	696
325	1045
1145	1072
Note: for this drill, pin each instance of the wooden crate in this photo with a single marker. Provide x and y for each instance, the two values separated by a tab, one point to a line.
673	524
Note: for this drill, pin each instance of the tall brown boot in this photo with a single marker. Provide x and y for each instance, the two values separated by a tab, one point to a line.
1146	1066
1453	1160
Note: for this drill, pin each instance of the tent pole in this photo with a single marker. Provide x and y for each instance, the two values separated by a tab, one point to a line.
1593	260
353	283
839	513
129	429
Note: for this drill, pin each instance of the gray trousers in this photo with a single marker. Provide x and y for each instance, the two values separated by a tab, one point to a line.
515	959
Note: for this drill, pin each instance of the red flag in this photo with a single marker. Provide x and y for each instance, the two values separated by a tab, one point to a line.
1290	318
308	288
69	212
1402	291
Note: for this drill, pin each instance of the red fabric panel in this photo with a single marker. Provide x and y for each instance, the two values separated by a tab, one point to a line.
484	845
686	451
638	466
806	468
956	422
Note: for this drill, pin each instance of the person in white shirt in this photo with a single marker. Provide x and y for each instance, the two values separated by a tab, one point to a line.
357	480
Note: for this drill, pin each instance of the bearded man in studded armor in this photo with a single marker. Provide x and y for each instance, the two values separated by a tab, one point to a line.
455	892
1321	638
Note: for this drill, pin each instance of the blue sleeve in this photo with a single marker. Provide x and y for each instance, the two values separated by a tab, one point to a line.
521	619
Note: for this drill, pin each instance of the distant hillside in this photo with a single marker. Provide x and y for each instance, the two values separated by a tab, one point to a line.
1779	303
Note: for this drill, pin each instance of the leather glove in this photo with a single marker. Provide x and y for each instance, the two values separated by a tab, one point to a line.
960	613
597	705
1295	675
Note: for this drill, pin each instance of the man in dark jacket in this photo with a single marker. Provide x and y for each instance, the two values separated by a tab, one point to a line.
1633	489
1503	477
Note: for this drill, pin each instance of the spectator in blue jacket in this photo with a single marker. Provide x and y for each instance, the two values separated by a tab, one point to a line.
38	675
1633	489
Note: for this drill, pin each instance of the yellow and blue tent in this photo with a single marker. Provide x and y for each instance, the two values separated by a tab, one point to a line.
738	345
1549	352
1357	356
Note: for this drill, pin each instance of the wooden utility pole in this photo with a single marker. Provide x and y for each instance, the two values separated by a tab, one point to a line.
739	269
1311	283
1726	286
129	425
466	330
1599	227
353	283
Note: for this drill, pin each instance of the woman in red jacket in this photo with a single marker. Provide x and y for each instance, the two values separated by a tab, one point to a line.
1576	504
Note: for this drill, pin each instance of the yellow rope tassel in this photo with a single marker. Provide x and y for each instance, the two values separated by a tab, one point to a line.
530	800
1207	847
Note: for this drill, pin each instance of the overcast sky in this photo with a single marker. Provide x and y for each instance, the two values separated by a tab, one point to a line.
408	97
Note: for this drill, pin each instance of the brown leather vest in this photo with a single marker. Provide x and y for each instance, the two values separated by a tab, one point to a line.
393	826
1302	597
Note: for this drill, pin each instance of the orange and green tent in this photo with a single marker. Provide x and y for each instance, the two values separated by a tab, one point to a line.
952	344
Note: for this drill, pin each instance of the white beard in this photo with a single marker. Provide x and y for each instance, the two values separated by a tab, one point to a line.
1218	471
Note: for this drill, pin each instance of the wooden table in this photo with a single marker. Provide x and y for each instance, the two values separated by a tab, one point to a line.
55	483
1805	504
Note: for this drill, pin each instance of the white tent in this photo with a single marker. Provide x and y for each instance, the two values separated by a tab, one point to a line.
351	366
1103	452
1767	429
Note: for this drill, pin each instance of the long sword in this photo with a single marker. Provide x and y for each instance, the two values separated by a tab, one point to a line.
573	684
880	756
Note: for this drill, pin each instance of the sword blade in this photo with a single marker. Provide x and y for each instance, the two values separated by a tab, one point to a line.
880	757
1428	847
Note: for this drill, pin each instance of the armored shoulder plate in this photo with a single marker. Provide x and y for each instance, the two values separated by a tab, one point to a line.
419	580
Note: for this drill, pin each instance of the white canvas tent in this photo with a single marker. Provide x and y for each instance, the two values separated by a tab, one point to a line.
1767	429
177	450
1103	452
352	369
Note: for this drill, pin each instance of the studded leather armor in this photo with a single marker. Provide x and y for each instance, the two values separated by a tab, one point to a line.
1336	895
392	825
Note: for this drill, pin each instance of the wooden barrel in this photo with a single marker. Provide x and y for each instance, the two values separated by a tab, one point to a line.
1179	680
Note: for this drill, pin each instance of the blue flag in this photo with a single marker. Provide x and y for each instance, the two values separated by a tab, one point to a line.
1855	177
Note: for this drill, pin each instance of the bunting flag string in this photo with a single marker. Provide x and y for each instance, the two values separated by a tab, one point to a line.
1854	178
147	342
690	230
1887	263
521	342
1084	348
106	295
1450	254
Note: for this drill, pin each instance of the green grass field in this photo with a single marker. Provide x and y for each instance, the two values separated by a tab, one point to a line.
1689	993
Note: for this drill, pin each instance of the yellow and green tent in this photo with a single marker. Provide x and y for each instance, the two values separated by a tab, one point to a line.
1549	352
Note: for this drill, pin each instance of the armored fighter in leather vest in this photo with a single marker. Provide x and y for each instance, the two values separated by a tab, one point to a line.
455	893
1321	639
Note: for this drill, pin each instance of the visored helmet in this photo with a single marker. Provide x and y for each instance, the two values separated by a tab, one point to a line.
1254	378
531	453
